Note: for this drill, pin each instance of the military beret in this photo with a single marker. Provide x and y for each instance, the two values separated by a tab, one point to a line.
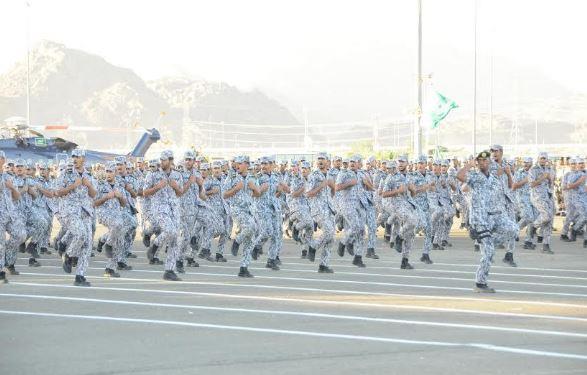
484	155
402	158
422	159
189	155
355	158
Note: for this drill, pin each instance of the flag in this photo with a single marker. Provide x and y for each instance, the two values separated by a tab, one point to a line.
441	109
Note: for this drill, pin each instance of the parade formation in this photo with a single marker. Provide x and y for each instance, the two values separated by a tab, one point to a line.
189	209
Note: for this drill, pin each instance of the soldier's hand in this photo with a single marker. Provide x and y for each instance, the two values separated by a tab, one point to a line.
161	184
77	182
117	194
86	181
173	184
508	170
192	179
128	187
111	194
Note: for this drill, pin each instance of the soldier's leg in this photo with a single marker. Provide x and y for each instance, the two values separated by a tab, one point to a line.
487	252
247	232
371	227
326	238
17	231
408	219
86	248
275	236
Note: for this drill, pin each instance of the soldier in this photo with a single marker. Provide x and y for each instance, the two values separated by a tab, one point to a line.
334	198
77	192
575	209
237	193
319	190
422	182
541	180
395	197
526	210
211	223
352	206
488	225
367	188
213	189
45	203
29	215
9	222
110	203
148	221
299	208
165	188
444	191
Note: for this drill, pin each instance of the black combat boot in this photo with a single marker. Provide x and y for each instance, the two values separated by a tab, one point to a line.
109	272
123	266
66	260
33	262
81	281
244	272
483	288
311	254
304	254
3	279
325	269
100	246
179	266
358	261
426	259
340	249
271	264
406	265
234	248
509	259
152	251
546	249
350	248
170	276
220	258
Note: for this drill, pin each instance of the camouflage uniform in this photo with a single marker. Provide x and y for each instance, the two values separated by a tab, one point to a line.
487	220
10	224
299	210
526	210
221	210
323	213
421	199
542	199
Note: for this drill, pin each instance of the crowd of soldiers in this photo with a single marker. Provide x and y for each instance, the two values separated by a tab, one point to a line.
182	208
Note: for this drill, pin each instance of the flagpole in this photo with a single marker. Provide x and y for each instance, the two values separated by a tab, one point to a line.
28	65
418	132
475	81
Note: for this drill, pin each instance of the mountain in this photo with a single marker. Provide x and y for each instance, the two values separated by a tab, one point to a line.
73	87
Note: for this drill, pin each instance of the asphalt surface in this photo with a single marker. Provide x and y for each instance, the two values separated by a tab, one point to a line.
375	320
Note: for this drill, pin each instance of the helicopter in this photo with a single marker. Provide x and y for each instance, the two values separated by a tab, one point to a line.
21	141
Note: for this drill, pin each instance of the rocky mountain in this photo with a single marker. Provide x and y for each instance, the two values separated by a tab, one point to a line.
73	87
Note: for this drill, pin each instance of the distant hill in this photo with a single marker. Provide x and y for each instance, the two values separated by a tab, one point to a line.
73	87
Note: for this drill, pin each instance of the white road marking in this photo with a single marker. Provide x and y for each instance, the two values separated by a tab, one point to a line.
300	314
303	300
482	346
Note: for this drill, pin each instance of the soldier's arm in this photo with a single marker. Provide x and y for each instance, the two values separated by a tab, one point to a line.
130	189
231	192
256	190
578	183
154	189
100	201
69	188
313	192
214	190
45	192
14	191
537	181
462	173
298	192
394	192
346	185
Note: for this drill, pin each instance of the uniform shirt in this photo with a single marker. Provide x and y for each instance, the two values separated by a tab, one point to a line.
320	203
77	200
542	190
296	181
6	202
216	201
241	200
419	179
522	192
164	200
268	200
484	192
350	196
112	206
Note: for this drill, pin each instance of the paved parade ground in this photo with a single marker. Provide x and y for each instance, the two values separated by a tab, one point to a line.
295	321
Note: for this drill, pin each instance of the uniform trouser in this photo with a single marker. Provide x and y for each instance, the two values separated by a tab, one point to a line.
188	227
168	237
436	220
510	211
14	226
129	237
214	226
269	229
371	226
324	241
114	237
570	213
47	234
79	236
304	224
225	226
355	219
580	219
545	208
443	229
408	218
425	225
527	216
497	228
244	220
36	224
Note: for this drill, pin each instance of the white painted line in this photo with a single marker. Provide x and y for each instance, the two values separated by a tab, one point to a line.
324	280
460	265
303	300
304	333
418	269
300	314
339	291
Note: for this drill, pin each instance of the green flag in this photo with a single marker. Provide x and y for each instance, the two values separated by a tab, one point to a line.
441	109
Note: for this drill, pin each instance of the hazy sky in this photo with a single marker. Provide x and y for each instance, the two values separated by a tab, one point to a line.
270	44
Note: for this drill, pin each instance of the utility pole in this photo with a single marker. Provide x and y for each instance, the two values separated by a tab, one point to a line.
418	130
28	65
475	81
